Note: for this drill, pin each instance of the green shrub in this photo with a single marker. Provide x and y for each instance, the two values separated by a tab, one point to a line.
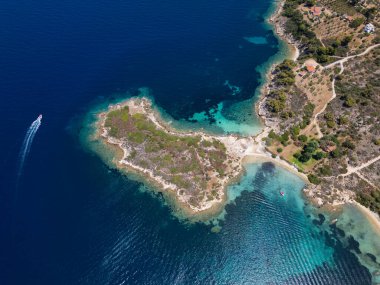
273	135
305	157
284	138
336	153
349	101
325	170
295	131
297	155
348	144
356	23
275	105
342	120
302	138
319	155
314	179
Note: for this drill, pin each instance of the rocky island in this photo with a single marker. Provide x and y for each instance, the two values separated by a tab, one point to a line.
193	166
320	114
306	106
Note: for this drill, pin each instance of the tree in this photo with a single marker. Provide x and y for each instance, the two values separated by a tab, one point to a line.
325	170
322	58
335	153
275	105
346	40
305	157
319	155
310	3
287	64
314	179
297	155
272	135
336	43
342	120
330	124
349	101
295	130
329	116
356	23
312	145
348	144
302	138
370	13
284	138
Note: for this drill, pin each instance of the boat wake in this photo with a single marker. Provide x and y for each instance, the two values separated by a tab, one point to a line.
27	143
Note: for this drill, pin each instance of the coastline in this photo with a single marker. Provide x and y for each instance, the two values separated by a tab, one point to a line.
275	24
335	208
240	150
278	28
371	217
178	201
254	152
251	149
274	21
261	158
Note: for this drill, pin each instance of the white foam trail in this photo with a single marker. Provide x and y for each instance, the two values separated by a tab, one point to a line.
27	143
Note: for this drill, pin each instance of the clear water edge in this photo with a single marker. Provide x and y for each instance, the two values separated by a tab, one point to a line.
234	191
80	222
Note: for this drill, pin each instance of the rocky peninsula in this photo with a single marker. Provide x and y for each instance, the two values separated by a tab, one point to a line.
191	166
306	104
194	168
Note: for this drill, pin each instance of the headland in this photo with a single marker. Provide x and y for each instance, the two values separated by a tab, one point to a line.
194	168
298	133
305	107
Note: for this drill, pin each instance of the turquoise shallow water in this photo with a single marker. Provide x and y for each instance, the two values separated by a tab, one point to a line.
275	239
283	242
358	228
264	238
77	221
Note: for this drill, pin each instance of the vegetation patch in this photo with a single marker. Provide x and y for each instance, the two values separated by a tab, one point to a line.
193	163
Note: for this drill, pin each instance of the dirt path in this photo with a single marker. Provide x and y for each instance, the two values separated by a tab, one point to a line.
343	60
366	180
315	119
341	63
351	169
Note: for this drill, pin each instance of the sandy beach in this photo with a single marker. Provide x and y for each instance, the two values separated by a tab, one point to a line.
372	217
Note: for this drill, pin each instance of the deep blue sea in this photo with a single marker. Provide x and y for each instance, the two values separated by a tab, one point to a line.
66	218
